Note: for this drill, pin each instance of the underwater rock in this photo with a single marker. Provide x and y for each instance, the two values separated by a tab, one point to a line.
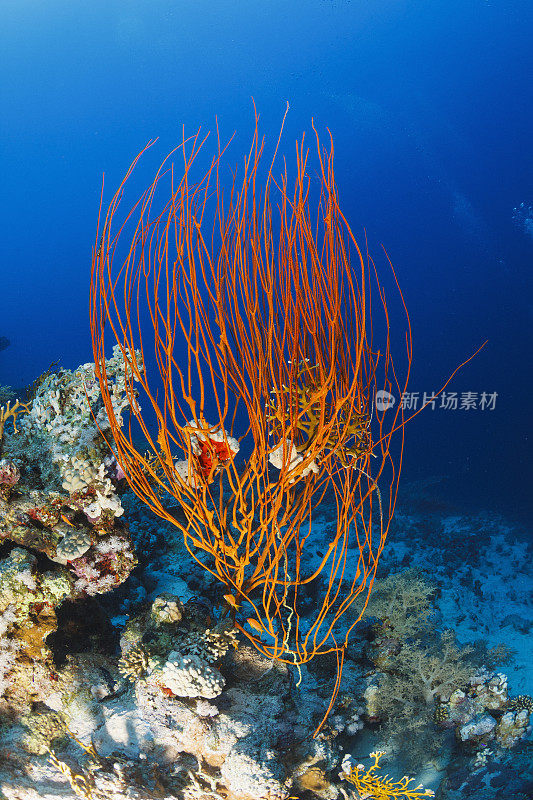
479	730
490	690
485	712
9	477
90	719
512	726
314	780
28	599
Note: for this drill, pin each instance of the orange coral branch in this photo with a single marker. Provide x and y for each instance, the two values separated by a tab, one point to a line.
256	308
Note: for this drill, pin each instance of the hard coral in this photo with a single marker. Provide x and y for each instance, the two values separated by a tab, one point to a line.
9	477
380	787
66	419
188	676
106	565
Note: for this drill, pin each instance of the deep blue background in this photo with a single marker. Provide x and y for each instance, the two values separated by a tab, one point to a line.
430	105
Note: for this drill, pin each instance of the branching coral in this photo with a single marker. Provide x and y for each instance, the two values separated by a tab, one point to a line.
428	672
370	784
418	667
402	603
11	411
427	682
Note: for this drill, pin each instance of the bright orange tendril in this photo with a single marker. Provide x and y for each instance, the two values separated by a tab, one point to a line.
256	309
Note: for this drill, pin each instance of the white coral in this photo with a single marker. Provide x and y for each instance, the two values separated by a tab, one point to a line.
62	413
189	676
290	459
105	499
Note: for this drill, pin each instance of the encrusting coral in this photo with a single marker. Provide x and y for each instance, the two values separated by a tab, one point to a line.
28	599
73	514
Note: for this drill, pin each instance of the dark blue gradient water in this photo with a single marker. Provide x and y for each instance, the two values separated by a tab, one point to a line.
430	106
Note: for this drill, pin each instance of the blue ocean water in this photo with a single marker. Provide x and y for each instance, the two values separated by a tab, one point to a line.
430	108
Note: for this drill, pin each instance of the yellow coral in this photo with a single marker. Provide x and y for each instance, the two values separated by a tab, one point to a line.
11	411
79	782
381	787
309	410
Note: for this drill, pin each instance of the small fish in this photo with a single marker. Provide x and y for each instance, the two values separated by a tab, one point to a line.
231	601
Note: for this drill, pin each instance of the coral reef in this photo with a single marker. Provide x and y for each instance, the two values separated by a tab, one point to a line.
95	706
369	783
485	713
66	420
73	515
167	700
177	659
55	546
9	477
28	599
425	682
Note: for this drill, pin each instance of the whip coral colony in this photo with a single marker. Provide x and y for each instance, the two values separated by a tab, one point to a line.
255	309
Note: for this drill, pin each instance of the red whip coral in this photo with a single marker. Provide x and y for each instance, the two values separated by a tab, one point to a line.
258	303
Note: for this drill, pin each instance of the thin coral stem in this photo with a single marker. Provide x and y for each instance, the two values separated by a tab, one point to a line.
254	308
